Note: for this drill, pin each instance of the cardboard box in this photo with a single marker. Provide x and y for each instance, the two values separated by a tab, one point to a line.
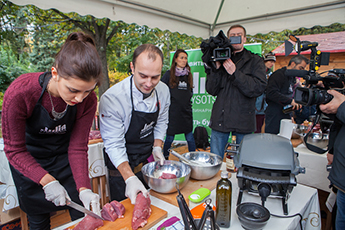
11	214
13	225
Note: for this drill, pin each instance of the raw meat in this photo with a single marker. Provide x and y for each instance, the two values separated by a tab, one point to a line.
119	208
141	212
108	212
167	176
89	223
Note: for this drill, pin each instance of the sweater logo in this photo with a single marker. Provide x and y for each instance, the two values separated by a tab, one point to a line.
60	129
147	130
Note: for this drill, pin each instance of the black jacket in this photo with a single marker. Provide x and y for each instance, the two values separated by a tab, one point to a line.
279	92
234	108
336	175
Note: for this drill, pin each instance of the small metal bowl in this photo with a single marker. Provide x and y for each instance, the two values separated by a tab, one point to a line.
153	170
300	130
318	139
211	164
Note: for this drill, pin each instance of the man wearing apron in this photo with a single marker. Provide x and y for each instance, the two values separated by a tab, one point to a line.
133	122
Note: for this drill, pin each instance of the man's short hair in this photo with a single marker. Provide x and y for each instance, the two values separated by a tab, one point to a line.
298	59
237	26
152	50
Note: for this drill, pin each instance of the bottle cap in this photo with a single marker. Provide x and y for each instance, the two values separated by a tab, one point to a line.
224	174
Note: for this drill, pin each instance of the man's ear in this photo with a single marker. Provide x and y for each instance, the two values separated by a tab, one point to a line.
132	67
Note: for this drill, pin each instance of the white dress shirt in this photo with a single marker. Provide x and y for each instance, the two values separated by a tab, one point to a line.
115	110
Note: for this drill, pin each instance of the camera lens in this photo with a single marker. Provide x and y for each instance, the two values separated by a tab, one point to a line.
321	97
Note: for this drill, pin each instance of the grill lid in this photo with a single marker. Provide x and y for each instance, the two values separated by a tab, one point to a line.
268	151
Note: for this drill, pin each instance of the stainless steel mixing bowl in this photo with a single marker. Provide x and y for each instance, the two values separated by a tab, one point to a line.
211	164
318	139
153	170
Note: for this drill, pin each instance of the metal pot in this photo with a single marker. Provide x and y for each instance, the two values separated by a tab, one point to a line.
211	164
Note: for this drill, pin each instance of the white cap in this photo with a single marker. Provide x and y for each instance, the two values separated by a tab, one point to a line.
224	174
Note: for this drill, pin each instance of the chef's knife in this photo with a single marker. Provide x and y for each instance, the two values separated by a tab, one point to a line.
82	209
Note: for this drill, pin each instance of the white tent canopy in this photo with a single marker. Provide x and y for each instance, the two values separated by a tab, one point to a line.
203	18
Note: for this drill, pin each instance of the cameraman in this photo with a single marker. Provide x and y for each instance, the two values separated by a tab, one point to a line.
279	93
236	82
336	176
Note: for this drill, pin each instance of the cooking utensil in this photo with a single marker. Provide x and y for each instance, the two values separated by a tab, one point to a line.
80	208
207	221
210	164
153	170
181	157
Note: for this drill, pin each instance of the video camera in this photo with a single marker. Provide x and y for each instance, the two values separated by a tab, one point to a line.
218	48
221	54
314	93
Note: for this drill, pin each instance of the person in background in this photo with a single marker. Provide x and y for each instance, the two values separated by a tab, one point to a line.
179	79
337	149
260	103
236	82
280	92
133	122
46	120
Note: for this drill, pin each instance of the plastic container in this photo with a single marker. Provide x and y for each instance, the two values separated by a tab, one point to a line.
223	201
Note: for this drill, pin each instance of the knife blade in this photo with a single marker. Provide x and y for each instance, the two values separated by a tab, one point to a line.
80	208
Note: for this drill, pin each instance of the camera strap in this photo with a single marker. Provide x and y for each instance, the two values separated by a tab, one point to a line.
310	146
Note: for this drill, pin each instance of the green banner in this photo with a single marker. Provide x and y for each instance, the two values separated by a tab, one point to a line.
202	102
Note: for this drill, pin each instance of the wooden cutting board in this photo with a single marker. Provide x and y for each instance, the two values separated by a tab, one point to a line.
157	215
190	187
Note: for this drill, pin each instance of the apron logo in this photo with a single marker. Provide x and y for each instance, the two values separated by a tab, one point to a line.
147	130
182	85
60	129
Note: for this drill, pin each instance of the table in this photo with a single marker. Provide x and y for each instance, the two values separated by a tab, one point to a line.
315	167
303	200
97	173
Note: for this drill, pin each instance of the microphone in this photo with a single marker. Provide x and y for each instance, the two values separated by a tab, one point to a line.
296	73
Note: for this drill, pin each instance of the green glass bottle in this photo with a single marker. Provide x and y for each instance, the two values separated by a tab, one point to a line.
223	201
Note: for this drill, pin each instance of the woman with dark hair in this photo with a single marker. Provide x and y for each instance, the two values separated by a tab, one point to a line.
46	120
179	79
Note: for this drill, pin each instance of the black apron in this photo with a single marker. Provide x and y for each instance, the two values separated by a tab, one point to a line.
47	141
180	111
139	142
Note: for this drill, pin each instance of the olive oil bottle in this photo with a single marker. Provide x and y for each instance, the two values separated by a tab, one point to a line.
223	201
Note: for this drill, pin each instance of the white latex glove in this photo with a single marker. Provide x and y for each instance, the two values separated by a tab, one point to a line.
133	187
158	155
56	193
90	199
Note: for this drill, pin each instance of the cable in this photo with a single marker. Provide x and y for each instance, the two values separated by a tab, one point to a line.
297	214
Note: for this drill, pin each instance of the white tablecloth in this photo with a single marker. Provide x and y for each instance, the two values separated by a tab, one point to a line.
96	168
315	167
303	200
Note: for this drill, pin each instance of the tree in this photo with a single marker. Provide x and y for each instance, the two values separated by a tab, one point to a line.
101	30
13	28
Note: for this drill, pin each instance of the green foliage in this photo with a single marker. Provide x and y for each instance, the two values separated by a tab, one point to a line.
11	68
